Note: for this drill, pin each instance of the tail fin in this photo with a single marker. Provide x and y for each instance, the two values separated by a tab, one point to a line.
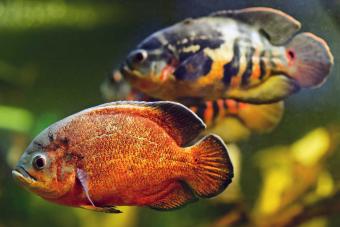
213	169
261	118
310	59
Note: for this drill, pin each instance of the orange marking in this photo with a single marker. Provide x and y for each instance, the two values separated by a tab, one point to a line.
221	109
242	105
256	71
117	76
131	97
215	74
235	81
232	106
194	109
166	73
208	113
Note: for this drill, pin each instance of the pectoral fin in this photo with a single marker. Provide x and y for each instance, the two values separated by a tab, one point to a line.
274	89
83	179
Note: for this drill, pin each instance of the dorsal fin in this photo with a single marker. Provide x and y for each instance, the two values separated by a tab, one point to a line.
178	121
279	26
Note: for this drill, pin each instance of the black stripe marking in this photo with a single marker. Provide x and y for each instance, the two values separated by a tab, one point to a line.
262	65
225	105
249	61
201	109
216	110
237	105
231	69
271	60
207	66
194	67
202	43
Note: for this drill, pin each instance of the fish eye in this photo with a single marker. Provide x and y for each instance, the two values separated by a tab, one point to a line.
139	56
39	162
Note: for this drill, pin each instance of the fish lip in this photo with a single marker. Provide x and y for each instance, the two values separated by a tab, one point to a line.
130	72
126	70
20	173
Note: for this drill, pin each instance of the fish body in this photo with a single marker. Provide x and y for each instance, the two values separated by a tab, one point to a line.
126	153
232	120
259	118
249	55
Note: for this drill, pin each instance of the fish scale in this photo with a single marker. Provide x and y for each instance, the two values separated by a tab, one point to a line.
250	55
126	153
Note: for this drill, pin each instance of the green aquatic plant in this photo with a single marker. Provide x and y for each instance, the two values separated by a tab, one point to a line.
15	119
22	14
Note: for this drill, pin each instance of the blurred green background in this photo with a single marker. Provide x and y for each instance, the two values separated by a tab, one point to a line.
54	54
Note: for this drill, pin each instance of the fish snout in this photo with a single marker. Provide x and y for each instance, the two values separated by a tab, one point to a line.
22	175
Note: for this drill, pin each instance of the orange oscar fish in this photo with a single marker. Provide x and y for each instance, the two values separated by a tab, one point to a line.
126	153
250	55
232	120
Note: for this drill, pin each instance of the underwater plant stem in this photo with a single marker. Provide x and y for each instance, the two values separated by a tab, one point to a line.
300	213
294	215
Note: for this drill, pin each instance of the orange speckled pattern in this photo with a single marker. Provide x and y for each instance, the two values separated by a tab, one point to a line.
131	154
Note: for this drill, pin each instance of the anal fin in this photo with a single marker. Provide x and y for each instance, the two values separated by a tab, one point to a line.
261	118
180	195
274	89
237	131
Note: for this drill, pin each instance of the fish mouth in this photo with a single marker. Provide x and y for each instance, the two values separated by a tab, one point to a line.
22	175
126	70
129	71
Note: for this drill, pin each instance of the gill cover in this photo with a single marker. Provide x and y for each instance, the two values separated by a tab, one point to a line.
43	168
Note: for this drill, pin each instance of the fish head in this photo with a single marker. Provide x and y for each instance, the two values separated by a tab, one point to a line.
44	168
150	65
115	87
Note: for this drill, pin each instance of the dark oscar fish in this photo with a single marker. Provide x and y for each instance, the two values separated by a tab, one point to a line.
126	153
251	55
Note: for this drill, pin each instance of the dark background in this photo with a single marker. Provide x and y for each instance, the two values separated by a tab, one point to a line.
55	54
